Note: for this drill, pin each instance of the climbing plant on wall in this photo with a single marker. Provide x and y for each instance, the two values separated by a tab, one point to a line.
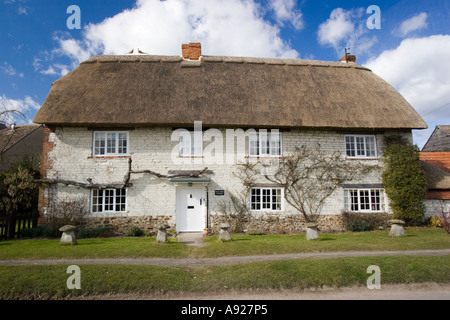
403	179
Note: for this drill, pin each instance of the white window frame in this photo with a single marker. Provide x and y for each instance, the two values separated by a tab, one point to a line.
266	205
117	148
188	146
355	144
100	206
264	144
363	206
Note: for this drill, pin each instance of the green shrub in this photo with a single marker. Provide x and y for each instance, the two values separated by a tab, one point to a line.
403	179
101	232
38	231
135	232
362	226
364	221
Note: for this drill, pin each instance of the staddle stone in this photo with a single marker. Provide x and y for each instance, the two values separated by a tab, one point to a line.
162	233
397	228
68	235
311	231
224	235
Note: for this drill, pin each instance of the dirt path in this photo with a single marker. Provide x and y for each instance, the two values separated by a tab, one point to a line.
413	291
193	262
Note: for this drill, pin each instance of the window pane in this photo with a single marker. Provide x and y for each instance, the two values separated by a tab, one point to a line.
99	143
370	146
275	143
97	200
185	143
364	199
109	200
354	200
123	137
197	144
265	198
264	143
111	143
350	146
375	200
276	199
255	200
360	146
120	199
253	144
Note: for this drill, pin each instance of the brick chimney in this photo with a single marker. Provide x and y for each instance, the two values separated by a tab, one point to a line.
191	51
348	58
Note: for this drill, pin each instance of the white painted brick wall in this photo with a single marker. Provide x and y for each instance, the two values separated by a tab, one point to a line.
151	148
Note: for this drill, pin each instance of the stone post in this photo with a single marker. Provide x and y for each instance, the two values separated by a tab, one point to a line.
162	233
68	236
224	235
311	231
396	228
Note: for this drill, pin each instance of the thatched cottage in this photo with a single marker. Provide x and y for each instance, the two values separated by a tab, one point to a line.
132	136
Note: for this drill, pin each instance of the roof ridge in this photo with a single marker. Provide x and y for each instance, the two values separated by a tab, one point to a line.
224	59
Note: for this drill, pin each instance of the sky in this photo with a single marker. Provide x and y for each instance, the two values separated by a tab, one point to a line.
407	43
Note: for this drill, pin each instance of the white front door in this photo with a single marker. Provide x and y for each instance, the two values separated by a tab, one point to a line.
191	209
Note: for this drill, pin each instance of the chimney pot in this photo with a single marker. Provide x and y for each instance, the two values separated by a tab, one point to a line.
191	51
348	58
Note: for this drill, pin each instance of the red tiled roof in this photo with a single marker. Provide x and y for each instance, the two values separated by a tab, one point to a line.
437	159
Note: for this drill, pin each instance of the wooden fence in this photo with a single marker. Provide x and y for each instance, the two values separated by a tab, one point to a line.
12	224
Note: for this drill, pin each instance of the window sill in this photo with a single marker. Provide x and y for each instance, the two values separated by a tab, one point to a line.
265	157
110	157
361	158
369	211
190	157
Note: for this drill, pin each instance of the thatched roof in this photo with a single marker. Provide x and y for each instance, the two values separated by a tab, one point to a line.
142	90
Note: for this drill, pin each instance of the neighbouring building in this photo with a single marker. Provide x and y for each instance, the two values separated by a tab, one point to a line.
18	142
435	161
145	139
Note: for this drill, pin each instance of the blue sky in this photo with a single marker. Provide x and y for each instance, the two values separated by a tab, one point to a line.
410	50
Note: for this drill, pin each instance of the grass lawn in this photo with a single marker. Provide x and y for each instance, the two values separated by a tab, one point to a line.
44	282
241	245
49	281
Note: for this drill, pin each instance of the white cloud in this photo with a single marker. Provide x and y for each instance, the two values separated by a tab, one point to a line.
285	12
232	27
23	106
55	69
417	22
346	28
337	28
418	68
8	69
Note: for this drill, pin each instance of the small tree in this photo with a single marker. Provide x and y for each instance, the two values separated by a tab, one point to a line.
236	210
403	179
308	177
18	191
66	212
